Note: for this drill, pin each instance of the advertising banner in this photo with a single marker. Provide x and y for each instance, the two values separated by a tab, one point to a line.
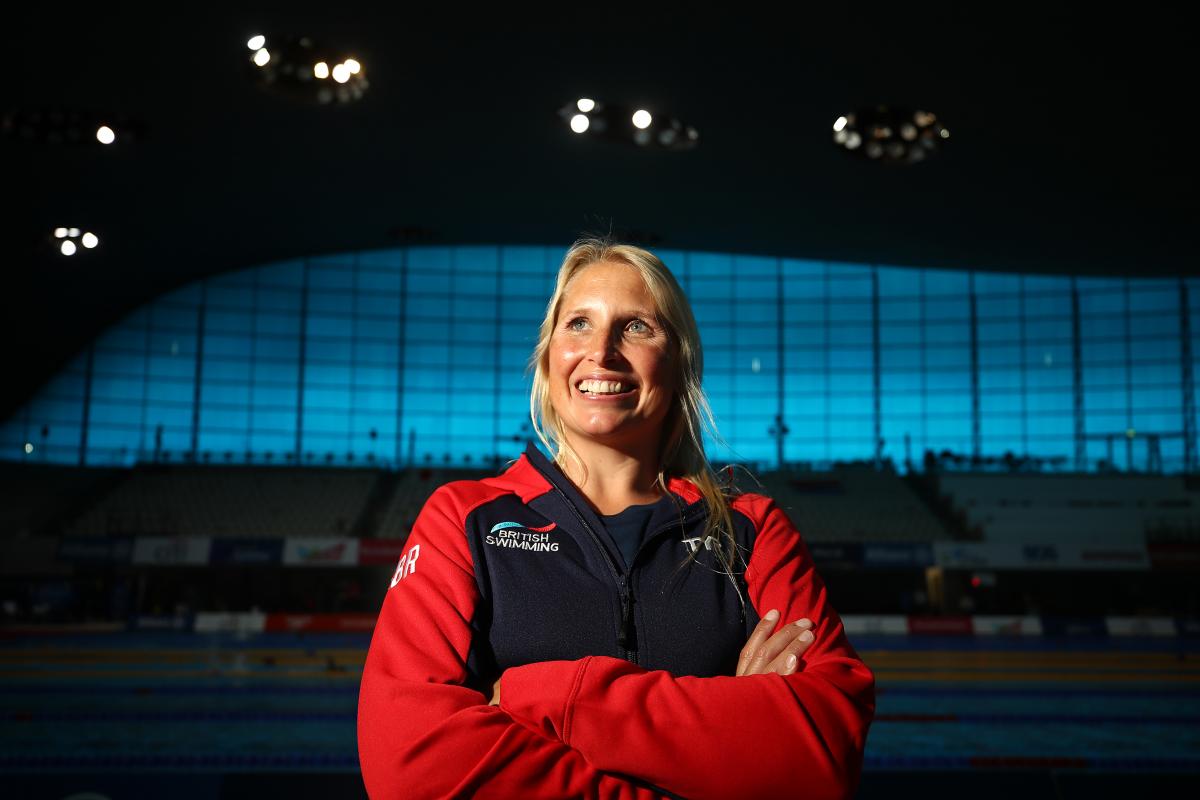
247	551
324	623
889	624
836	555
1140	626
1037	556
1074	626
95	550
380	551
987	625
172	550
940	626
897	554
321	552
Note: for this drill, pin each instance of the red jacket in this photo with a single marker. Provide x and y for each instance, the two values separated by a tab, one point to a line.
616	681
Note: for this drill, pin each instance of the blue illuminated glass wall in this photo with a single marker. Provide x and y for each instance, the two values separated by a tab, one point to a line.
417	355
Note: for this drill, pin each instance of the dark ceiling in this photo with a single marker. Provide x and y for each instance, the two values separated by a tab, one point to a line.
1068	151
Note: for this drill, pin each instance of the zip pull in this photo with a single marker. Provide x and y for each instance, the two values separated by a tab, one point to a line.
625	636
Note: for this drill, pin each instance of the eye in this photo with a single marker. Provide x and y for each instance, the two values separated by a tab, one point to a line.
637	326
577	324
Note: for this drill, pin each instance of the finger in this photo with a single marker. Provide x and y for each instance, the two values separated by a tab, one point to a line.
773	646
788	659
759	635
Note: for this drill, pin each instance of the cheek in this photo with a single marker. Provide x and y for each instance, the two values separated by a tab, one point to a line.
660	373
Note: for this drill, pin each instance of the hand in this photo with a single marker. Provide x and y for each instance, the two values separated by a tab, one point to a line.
780	653
495	701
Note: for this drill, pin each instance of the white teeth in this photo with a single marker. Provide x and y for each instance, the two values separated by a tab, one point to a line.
601	387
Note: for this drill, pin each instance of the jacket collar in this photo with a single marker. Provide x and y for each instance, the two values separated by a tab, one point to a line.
534	475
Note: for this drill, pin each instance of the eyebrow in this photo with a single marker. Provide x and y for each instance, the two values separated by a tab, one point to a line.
585	311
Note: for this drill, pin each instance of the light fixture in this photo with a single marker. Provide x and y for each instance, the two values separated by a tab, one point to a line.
891	135
67	240
298	67
256	42
76	127
28	448
612	122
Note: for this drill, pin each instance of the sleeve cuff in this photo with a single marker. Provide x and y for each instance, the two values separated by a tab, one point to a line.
542	695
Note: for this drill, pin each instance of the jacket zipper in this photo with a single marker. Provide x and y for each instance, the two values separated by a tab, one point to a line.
621	579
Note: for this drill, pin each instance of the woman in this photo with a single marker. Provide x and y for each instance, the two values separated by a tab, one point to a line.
615	592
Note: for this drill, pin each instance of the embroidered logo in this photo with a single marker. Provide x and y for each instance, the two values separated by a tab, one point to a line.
522	537
693	544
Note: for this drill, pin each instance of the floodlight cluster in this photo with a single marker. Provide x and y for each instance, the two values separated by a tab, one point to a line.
297	67
894	135
628	125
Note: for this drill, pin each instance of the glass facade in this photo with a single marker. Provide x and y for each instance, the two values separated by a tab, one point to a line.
418	355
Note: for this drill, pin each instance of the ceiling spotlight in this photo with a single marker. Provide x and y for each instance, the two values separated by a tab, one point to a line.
891	135
611	122
58	126
295	61
256	42
68	240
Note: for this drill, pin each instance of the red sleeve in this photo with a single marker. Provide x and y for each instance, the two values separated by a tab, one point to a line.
756	736
421	733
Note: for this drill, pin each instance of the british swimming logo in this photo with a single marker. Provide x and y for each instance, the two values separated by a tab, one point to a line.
515	536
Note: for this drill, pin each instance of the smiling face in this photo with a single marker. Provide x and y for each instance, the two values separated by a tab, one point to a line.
609	363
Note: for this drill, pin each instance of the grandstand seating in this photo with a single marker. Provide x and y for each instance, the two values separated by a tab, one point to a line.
413	488
852	503
34	497
239	501
1073	508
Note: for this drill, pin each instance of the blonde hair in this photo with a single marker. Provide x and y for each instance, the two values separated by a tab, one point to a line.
682	448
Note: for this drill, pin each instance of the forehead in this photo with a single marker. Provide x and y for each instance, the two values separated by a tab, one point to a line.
609	282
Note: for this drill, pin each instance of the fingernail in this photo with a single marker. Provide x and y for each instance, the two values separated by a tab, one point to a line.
772	615
806	636
804	623
791	662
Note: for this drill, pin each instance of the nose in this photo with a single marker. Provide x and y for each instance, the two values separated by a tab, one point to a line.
605	344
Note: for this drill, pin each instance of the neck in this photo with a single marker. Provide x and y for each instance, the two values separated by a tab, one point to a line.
613	477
